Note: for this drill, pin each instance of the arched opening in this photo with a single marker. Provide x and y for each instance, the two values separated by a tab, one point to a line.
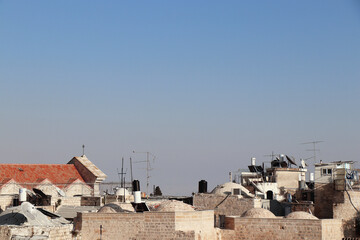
269	195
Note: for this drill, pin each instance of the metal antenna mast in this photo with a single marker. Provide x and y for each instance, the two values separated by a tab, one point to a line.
131	173
122	174
83	147
314	148
272	155
148	168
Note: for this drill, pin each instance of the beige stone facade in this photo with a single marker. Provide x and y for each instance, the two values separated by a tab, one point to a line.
148	225
229	205
283	229
9	232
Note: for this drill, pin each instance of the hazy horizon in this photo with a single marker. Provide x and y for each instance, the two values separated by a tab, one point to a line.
202	85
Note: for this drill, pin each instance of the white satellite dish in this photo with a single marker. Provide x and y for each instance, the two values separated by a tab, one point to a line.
302	163
34	216
60	192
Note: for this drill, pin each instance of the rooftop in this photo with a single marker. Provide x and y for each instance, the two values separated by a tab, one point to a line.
25	174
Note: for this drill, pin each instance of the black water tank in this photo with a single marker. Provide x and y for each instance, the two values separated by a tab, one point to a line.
203	186
136	185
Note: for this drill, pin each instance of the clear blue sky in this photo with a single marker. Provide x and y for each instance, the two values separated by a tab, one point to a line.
203	85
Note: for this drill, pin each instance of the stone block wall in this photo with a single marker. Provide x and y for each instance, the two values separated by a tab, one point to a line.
64	232
331	229
347	212
68	201
78	188
147	225
283	229
325	197
90	201
6	201
231	206
201	222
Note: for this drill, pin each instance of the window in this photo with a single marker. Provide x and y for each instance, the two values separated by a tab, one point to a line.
326	171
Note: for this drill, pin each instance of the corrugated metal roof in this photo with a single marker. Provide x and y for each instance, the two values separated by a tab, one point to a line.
58	174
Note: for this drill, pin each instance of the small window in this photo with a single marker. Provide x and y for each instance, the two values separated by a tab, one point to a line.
326	171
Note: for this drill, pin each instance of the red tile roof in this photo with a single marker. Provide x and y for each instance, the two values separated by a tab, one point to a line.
59	174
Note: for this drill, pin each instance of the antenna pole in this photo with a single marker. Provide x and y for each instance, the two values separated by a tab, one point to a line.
148	168
131	173
147	172
122	172
83	147
314	150
272	155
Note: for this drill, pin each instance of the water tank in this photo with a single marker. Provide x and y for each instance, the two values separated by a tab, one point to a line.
137	197
253	161
136	185
122	192
22	194
203	186
312	177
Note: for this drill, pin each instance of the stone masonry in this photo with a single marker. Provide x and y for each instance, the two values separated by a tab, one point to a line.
147	226
283	229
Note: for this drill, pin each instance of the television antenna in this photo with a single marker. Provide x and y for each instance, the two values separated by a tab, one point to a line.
314	150
122	174
148	167
272	155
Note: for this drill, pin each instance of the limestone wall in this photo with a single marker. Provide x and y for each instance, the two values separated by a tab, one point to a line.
64	232
344	210
10	188
287	179
68	201
325	197
331	229
78	188
6	201
148	225
231	206
283	229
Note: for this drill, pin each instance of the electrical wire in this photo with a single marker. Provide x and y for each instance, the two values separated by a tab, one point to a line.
352	202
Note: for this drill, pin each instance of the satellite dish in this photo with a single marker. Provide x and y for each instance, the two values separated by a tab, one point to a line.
291	159
34	216
60	192
30	193
302	163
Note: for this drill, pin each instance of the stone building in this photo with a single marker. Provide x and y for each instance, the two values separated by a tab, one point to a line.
262	224
337	194
169	224
67	182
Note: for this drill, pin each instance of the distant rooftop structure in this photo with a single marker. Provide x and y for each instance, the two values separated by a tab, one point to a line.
325	172
27	174
80	177
90	172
